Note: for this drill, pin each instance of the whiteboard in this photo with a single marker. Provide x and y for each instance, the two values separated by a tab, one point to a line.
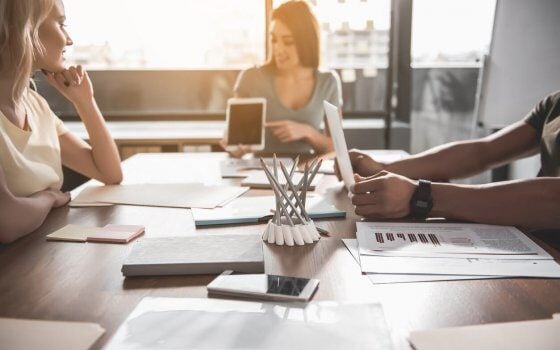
524	60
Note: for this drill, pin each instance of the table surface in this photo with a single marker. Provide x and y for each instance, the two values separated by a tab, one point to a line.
82	281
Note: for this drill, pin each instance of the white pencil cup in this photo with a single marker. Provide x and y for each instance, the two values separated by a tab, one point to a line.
286	234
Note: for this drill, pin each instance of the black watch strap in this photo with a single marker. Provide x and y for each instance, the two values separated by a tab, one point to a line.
421	202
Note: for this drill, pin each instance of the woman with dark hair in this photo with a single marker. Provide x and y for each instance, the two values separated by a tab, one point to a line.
292	84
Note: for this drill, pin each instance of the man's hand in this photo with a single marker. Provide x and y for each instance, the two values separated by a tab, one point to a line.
382	196
362	164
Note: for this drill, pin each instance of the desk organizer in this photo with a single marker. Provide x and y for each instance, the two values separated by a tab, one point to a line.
290	224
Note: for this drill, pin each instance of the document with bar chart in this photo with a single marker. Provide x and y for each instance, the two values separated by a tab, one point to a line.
446	240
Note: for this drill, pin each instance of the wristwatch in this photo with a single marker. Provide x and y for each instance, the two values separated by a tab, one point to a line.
421	202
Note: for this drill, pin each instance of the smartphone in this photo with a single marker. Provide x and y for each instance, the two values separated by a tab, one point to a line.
245	119
264	287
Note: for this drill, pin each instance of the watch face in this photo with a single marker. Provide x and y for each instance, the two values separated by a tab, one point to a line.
421	204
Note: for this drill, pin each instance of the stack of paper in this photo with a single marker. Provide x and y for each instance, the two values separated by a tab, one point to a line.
258	209
405	252
172	323
187	195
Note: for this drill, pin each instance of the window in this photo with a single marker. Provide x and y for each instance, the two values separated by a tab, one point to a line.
355	41
166	34
466	35
181	57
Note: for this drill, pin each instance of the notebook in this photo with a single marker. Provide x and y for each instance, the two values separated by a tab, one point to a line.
116	233
195	255
244	210
109	234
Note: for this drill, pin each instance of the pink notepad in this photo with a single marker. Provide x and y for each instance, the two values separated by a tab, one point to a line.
116	233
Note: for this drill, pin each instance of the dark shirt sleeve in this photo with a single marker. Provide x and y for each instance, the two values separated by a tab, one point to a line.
537	116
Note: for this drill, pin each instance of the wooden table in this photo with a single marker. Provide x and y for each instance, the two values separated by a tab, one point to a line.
83	282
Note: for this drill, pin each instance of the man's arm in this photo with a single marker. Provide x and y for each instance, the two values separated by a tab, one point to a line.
532	203
20	216
458	159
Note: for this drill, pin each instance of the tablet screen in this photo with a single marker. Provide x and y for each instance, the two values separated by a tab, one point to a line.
245	124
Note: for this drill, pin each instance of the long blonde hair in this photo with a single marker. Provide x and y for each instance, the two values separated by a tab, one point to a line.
19	38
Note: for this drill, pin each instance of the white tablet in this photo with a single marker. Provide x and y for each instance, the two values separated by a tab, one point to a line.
245	123
337	134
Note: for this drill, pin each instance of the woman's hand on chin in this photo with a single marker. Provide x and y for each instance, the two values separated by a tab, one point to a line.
73	83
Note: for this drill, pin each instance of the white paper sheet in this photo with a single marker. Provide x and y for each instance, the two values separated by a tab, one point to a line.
383	278
446	240
534	335
170	323
160	195
455	266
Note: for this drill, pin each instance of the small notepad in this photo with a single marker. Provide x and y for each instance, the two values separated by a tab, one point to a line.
116	233
72	233
108	234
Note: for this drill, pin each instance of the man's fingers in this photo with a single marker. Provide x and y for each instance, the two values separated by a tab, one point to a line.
364	199
371	211
366	185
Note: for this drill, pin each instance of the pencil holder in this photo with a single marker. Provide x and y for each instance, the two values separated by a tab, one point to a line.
291	224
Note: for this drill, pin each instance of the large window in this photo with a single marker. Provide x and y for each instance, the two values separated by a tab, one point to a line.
166	34
181	57
451	32
355	39
354	33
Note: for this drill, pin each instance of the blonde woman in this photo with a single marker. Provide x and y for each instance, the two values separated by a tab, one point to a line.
292	84
34	143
